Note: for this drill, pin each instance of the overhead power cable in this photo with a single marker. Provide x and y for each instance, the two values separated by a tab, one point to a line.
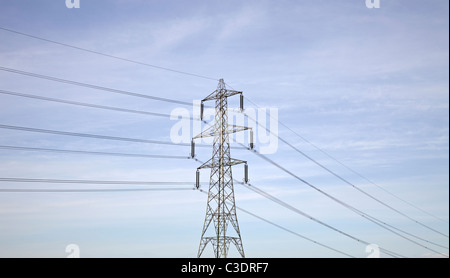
85	104
107	55
289	231
13	190
56	132
362	191
95	87
310	158
372	219
350	169
28	129
92	182
97	182
319	164
97	53
104	137
175	101
278	201
215	79
272	198
284	204
340	177
17	148
90	105
347	182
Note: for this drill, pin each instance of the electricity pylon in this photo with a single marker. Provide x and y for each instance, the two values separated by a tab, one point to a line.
221	208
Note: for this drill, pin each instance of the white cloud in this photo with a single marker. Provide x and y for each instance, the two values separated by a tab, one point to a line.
249	16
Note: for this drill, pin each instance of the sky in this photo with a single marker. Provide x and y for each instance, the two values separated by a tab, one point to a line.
364	92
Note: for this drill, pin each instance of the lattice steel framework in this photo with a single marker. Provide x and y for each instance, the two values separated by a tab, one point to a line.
221	208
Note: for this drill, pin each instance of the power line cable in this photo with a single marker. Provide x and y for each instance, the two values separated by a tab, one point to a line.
287	230
91	86
276	200
166	115
322	166
17	148
90	105
284	204
91	182
86	104
130	190
346	181
205	77
341	178
111	56
107	55
186	103
362	191
104	137
28	129
310	158
372	219
350	169
95	53
95	136
11	190
97	182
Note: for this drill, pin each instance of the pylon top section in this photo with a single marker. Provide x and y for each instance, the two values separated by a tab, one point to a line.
221	92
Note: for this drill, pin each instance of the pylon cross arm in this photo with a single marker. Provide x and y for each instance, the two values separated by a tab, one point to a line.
210	132
212	164
217	94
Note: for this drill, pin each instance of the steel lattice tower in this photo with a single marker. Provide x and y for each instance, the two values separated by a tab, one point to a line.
221	208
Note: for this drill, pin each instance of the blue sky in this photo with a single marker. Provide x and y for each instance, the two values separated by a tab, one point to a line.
368	86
